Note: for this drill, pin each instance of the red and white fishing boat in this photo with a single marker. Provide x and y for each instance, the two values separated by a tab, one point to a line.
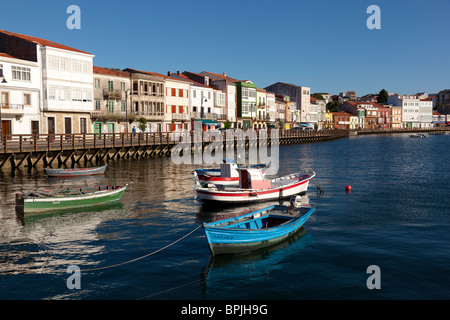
227	174
253	186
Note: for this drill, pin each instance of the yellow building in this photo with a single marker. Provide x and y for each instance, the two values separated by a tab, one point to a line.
329	122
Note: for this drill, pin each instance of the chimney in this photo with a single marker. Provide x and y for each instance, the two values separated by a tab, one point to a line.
168	73
224	74
178	72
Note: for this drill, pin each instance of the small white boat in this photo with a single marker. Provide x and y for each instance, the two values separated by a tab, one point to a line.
227	174
253	186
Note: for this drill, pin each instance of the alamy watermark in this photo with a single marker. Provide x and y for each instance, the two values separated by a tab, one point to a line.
214	153
74	20
374	21
74	281
374	280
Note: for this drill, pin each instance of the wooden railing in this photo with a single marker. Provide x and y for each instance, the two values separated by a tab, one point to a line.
23	143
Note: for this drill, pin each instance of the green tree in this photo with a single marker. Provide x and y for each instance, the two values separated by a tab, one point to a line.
227	124
142	124
382	96
333	106
318	96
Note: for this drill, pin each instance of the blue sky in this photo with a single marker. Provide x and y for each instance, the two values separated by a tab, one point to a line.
323	44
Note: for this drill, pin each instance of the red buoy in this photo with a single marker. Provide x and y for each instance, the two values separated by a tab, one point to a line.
348	188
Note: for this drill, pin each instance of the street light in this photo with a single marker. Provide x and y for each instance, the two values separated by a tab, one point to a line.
1	107
202	112
126	109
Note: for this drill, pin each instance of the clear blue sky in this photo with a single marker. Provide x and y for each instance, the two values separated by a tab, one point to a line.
323	44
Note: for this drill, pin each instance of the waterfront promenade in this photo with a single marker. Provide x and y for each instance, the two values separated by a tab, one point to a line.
29	151
70	149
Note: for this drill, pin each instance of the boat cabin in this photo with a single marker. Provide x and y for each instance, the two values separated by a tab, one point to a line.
228	169
252	178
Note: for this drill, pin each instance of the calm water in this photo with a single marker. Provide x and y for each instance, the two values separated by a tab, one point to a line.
397	217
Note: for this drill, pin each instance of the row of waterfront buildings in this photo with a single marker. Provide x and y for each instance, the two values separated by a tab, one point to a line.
50	88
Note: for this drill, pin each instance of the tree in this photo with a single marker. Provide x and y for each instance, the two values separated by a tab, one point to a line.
227	125
318	96
142	124
382	96
333	106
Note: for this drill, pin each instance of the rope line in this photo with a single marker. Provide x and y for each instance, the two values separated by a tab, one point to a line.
145	256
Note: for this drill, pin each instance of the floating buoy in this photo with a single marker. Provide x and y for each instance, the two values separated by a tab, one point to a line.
348	188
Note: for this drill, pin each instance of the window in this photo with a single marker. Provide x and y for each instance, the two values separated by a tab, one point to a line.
110	106
180	92
83	125
174	92
122	106
122	86
21	73
110	85
5	100
97	105
194	93
27	99
245	93
1	70
97	83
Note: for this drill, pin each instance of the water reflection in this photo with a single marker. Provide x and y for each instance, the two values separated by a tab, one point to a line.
227	273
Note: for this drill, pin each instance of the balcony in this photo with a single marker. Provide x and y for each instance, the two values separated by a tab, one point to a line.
12	109
112	94
208	115
180	116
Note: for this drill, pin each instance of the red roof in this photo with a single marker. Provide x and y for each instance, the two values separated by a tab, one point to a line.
146	72
2	54
225	77
43	42
111	72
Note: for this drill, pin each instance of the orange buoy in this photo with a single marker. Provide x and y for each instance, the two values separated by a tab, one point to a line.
348	188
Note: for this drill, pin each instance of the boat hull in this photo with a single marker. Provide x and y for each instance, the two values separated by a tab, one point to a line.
51	204
241	196
237	240
65	173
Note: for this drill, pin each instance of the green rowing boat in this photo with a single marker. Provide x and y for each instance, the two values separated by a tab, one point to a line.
72	198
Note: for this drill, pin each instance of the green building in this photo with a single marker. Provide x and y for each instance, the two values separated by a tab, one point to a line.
246	103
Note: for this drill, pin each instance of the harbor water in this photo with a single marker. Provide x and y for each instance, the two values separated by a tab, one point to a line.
396	217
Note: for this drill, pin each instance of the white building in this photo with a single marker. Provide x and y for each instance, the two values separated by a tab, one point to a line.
177	116
426	112
20	84
417	111
66	81
271	108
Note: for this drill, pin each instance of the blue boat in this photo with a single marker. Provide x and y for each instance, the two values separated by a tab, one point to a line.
256	229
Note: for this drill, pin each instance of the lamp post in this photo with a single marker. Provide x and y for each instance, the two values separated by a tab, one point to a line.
1	107
126	109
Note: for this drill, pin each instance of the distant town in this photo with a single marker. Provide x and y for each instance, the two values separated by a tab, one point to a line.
50	88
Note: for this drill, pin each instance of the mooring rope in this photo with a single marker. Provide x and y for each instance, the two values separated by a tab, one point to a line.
145	256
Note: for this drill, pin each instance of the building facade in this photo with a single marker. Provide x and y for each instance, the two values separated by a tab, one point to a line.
298	94
147	100
111	101
20	84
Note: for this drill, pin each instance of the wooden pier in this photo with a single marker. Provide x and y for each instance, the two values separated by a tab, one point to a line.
59	150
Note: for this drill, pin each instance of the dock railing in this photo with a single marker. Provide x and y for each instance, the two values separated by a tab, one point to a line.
26	143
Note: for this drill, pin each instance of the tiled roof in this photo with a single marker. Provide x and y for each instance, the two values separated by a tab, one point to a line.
221	76
111	72
146	72
187	79
2	54
41	41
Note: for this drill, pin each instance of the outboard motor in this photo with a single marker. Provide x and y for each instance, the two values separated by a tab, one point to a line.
294	203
